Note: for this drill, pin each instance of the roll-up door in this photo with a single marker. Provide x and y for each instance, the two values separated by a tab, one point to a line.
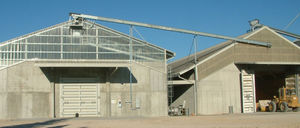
248	91
79	98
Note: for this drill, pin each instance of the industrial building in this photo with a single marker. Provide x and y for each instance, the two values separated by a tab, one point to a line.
82	69
231	77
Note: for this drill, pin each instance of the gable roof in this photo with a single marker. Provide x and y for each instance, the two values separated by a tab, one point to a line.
185	64
61	39
69	22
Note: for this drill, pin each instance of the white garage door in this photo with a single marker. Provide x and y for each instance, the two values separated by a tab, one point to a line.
79	98
248	91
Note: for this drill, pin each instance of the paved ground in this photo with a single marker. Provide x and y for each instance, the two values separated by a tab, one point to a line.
257	120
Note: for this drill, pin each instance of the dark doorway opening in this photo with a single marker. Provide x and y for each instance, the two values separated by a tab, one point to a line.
268	79
267	84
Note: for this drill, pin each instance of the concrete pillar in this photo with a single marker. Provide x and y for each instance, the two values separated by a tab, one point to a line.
52	95
108	94
56	78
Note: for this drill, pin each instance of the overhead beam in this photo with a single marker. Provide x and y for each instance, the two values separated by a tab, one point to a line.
181	82
76	16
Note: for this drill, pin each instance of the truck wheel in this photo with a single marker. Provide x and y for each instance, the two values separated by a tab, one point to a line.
284	107
272	106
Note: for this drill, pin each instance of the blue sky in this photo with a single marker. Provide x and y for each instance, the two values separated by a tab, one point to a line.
224	17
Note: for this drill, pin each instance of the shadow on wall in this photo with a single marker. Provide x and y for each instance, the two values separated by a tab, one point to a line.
179	90
115	74
41	124
122	75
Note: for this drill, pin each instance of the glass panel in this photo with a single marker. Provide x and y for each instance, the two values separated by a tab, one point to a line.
89	43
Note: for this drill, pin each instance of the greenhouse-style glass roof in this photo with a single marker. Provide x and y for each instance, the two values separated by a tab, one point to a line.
93	41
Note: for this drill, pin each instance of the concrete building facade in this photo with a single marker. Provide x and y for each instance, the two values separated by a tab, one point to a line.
234	76
87	69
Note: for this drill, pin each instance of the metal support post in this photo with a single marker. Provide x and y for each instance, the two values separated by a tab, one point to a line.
196	76
97	43
61	43
13	53
130	67
26	49
170	87
297	86
18	51
10	54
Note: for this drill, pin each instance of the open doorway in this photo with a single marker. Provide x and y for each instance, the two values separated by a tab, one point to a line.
267	78
267	84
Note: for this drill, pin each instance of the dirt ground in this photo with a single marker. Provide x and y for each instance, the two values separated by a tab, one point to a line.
256	120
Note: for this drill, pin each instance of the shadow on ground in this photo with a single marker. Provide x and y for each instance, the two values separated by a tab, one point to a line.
40	124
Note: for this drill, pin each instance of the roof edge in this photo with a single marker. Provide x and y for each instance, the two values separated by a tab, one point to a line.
200	62
66	22
126	35
32	33
276	33
224	49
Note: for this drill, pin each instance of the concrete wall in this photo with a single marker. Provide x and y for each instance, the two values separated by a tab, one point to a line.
26	90
220	90
149	93
281	51
3	94
216	92
217	80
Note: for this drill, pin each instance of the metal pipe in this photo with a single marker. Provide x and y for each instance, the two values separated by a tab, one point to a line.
297	86
292	21
286	33
52	83
80	16
130	72
195	75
